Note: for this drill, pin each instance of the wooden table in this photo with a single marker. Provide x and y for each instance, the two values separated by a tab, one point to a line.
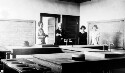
18	50
100	47
4	53
63	63
22	65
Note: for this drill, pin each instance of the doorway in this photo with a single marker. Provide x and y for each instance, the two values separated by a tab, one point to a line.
69	24
49	26
49	29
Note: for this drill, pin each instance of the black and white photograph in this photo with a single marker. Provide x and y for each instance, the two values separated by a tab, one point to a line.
62	36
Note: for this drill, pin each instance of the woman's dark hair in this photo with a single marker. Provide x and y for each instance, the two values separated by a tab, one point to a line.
95	26
83	27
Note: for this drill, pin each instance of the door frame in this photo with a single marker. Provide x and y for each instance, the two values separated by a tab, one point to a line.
50	15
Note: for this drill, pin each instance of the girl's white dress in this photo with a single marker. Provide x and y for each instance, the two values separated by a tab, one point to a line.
94	35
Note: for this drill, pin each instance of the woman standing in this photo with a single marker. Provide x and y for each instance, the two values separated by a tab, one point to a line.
82	36
59	35
41	34
94	36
